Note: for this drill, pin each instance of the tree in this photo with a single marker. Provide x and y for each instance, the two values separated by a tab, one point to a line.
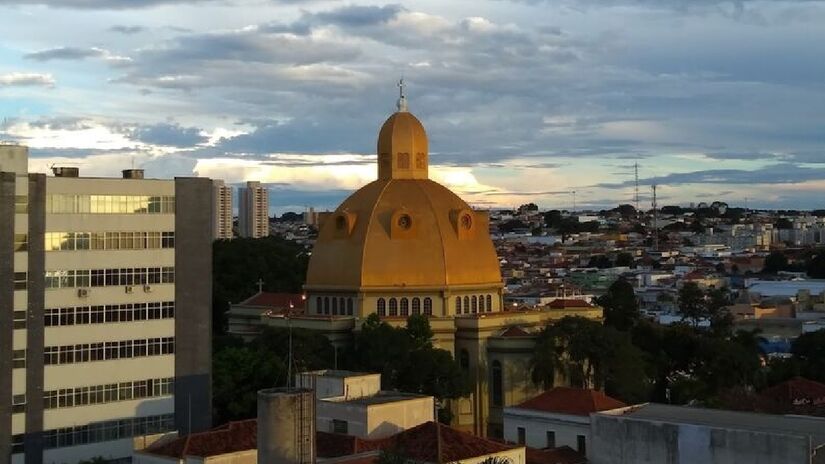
600	261
621	309
692	303
783	223
716	304
775	262
809	350
816	266
626	211
238	372
419	331
624	259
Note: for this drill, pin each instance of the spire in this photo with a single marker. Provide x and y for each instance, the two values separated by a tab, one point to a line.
402	99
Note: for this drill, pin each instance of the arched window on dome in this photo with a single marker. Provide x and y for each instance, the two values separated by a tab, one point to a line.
466	305
458	305
319	305
334	306
416	306
405	307
496	384
489	303
481	303
326	305
349	307
475	304
393	307
382	307
428	306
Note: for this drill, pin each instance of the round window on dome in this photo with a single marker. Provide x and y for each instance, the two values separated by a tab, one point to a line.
404	221
466	221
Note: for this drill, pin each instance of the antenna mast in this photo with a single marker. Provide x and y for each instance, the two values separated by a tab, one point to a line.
636	193
655	222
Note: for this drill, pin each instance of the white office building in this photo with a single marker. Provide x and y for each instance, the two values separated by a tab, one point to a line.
105	294
253	211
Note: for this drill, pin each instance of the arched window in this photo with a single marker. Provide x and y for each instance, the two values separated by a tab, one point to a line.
341	303
349	306
382	307
496	384
393	307
466	305
326	305
458	305
489	303
481	303
416	306
318	305
428	306
475	304
334	306
405	307
464	360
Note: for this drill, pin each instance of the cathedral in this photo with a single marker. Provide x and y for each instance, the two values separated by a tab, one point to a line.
405	244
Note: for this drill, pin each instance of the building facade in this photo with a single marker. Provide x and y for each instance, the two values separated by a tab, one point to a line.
221	211
105	317
253	211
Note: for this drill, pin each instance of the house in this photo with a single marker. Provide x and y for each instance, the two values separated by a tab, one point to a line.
555	418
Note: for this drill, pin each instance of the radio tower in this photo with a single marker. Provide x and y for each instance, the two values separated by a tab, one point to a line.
636	195
655	222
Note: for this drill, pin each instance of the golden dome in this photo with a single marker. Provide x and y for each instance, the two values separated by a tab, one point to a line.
403	230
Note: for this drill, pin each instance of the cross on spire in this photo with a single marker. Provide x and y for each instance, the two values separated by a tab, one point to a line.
260	283
402	99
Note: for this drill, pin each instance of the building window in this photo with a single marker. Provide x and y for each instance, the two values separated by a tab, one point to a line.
21	204
458	305
416	306
21	280
340	426
581	444
18	404
18	359
481	303
489	303
496	384
405	307
382	307
326	305
98	394
475	304
393	307
107	431
522	435
17	443
109	204
551	439
123	349
318	305
334	306
20	319
466	305
428	306
350	311
21	242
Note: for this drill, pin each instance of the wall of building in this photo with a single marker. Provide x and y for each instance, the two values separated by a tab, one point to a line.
567	428
388	419
624	440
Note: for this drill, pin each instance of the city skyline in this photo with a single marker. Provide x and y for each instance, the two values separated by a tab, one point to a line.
526	101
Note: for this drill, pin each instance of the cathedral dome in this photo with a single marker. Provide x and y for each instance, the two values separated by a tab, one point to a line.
403	231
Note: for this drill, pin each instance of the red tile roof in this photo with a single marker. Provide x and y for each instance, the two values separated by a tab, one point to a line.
275	300
574	401
561	455
421	443
228	438
561	303
797	391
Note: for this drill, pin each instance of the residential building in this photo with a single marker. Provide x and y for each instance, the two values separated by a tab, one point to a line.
655	433
253	211
105	291
557	417
221	211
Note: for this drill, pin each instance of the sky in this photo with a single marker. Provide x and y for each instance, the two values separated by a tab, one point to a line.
523	100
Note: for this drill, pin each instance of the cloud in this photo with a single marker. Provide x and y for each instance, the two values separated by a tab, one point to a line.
780	173
103	4
128	30
172	135
360	16
18	79
65	53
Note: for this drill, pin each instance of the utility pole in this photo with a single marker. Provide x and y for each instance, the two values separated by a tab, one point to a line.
636	195
655	222
574	200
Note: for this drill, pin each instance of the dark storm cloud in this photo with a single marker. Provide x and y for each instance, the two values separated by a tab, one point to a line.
171	135
784	173
65	53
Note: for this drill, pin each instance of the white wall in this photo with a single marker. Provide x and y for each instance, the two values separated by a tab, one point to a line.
536	425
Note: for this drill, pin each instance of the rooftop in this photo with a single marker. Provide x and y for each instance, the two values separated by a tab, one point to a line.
573	401
275	300
813	427
382	397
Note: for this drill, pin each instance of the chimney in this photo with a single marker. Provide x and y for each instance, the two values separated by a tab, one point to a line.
133	173
65	171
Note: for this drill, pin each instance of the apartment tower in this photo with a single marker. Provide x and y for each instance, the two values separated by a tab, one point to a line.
253	211
222	211
105	295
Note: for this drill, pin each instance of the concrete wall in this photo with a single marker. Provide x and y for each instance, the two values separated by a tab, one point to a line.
536	425
7	183
625	440
375	420
334	386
